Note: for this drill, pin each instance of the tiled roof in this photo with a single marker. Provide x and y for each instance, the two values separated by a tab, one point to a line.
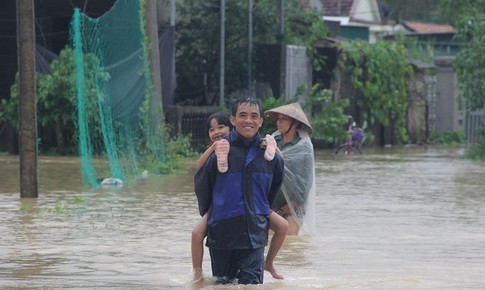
305	3
336	7
329	7
420	27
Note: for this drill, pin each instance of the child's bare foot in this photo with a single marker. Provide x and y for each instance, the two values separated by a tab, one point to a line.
270	147
221	148
272	271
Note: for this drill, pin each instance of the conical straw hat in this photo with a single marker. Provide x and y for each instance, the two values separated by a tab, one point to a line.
292	110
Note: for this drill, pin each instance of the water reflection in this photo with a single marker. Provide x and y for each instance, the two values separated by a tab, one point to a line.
390	219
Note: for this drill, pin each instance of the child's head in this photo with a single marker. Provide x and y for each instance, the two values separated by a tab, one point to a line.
218	125
247	116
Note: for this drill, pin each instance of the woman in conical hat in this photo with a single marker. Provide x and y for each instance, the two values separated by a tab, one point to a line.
296	199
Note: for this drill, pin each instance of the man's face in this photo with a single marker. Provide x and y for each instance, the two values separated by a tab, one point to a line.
247	120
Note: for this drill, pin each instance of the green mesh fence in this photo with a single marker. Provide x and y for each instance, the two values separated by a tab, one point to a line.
120	119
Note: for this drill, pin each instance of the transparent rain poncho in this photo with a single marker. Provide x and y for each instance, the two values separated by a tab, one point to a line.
299	183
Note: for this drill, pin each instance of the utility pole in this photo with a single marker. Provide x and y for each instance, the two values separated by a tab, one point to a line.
250	45
172	13
222	52
282	19
282	49
27	104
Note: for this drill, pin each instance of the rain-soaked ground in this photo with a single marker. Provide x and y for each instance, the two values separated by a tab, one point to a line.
389	219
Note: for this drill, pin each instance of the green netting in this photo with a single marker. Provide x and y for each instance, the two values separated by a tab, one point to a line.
120	118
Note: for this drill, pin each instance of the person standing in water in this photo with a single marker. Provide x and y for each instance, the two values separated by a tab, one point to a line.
218	126
238	201
296	199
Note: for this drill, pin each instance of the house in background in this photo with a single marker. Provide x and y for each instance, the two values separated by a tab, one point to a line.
441	36
433	104
445	112
355	19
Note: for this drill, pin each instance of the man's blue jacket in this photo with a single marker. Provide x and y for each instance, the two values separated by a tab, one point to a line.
238	201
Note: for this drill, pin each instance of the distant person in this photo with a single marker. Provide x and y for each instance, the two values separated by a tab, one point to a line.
237	202
296	199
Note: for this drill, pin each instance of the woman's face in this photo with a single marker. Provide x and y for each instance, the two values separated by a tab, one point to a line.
283	122
217	131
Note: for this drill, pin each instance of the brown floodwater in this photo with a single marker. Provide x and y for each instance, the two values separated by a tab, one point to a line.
390	219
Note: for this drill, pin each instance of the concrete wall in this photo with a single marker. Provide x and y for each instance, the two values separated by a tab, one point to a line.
284	69
447	109
298	71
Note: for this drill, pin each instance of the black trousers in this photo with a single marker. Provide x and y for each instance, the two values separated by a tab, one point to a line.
247	266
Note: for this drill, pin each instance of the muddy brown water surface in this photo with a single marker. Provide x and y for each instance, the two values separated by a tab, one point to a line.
389	219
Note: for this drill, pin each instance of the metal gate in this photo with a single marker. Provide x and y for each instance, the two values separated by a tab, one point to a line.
473	122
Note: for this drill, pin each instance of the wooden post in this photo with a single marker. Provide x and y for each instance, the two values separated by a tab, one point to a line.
27	106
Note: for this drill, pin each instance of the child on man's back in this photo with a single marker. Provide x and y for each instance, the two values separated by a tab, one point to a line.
218	126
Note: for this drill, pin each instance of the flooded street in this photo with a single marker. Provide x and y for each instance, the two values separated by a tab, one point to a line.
389	219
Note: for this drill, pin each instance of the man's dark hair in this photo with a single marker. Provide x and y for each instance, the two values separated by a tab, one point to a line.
250	100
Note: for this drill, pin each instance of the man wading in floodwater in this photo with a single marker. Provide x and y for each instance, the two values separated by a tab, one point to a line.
238	201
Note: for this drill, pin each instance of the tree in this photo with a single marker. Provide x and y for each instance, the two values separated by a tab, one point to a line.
468	18
412	10
56	98
198	40
379	73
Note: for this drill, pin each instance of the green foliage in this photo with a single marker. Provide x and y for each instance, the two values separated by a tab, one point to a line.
198	42
305	27
56	100
198	39
302	26
467	17
10	107
379	73
455	12
417	10
415	50
55	94
328	118
79	200
469	63
25	207
447	138
177	148
59	208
